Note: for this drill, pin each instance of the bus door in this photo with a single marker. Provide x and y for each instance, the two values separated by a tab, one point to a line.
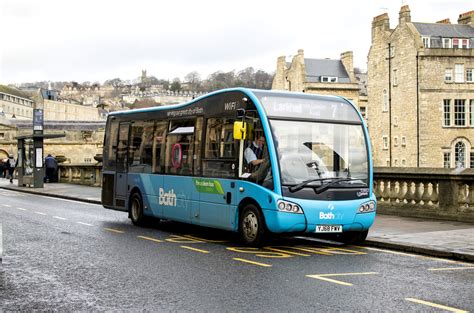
121	184
217	189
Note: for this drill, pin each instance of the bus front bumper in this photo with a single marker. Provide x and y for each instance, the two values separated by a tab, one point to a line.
283	222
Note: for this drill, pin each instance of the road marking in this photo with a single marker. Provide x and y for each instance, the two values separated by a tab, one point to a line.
205	240
451	268
195	249
59	218
323	277
149	238
39	213
434	305
7	205
21	209
82	223
252	262
114	230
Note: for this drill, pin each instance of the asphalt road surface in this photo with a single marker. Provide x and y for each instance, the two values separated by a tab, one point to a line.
67	255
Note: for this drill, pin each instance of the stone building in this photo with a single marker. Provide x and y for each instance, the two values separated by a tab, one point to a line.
421	92
15	104
318	76
83	140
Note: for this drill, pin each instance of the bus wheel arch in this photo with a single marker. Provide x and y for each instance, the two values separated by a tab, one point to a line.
252	227
135	207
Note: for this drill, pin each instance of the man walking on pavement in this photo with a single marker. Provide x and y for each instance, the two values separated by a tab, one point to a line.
11	164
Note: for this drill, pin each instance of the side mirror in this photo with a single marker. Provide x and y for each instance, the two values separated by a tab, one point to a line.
240	130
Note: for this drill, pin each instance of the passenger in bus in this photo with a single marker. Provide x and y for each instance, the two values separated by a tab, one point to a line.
254	153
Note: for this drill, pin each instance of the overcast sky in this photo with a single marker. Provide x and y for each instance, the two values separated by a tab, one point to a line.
95	40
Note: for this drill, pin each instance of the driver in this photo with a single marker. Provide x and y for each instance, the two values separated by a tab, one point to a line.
254	152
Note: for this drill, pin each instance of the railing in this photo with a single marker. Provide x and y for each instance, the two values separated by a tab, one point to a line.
82	174
446	194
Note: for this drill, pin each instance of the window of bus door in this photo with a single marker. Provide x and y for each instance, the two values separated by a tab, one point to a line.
220	154
122	147
179	147
110	145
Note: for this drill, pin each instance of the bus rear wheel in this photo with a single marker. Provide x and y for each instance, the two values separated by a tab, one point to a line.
136	210
354	237
251	226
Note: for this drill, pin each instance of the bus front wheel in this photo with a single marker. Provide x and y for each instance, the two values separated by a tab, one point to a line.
136	209
251	226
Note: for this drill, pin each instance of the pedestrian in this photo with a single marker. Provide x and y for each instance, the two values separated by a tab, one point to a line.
51	168
11	165
2	167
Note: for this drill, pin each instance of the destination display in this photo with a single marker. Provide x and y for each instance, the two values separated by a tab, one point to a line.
309	108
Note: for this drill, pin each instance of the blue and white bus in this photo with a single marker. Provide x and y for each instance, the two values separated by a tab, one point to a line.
195	163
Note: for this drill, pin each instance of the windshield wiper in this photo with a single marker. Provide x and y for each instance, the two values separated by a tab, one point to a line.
300	186
326	186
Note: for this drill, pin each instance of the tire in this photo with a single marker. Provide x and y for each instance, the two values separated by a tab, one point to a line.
354	237
252	229
136	210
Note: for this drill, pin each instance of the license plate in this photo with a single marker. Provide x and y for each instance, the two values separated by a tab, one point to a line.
328	228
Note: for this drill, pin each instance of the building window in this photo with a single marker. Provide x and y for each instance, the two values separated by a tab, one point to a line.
447	43
448	75
471	112
459	73
395	141
396	162
469	75
395	121
2	136
426	42
363	112
404	162
392	51
404	141
388	162
447	159
472	159
395	78
328	79
385	101
455	43
447	112
465	43
385	142
460	112
460	155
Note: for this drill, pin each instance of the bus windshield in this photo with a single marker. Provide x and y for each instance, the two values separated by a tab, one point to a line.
316	151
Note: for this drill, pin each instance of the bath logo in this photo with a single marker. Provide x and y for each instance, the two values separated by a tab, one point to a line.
167	198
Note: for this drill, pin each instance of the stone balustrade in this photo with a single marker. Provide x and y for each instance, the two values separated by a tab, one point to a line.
446	194
82	174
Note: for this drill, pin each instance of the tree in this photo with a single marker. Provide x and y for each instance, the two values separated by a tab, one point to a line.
194	79
175	85
116	82
246	77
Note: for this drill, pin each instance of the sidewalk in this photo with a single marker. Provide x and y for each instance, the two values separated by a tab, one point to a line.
447	239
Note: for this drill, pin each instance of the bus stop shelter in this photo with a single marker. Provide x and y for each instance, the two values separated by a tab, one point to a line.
30	167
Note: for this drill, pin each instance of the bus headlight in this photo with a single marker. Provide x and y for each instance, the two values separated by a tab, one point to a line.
367	207
286	206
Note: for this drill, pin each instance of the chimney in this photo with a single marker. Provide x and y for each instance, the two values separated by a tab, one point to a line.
404	15
467	18
347	60
445	21
380	24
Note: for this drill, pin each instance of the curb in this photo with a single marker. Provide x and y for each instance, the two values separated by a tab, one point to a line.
52	195
424	250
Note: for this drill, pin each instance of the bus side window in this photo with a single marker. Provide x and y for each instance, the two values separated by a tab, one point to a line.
159	146
134	148
179	147
110	145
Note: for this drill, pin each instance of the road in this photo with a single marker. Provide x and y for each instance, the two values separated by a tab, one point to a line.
66	255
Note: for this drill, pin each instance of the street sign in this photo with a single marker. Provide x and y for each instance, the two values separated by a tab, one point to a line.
38	121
